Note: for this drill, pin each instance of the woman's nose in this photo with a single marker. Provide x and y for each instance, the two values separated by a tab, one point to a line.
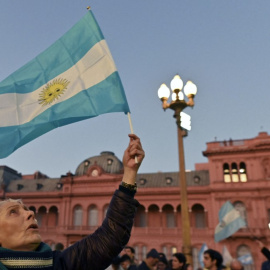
30	214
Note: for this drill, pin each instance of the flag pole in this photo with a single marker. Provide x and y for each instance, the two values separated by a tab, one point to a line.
131	130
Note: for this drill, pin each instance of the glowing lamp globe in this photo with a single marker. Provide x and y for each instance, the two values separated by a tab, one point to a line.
163	91
190	89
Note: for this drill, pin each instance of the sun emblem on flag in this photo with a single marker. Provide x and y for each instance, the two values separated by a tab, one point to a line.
52	91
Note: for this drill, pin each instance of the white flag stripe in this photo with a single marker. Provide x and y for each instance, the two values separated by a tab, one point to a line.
227	257
87	72
228	218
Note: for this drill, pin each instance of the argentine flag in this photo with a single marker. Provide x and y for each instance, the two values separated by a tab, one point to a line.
230	222
201	252
246	259
74	79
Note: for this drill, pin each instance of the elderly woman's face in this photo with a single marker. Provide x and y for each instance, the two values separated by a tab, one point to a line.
18	227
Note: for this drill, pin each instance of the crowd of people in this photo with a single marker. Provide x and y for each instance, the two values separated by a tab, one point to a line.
212	260
155	260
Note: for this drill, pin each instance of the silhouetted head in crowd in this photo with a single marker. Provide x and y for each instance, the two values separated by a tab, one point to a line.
178	261
163	263
125	261
212	259
152	258
130	251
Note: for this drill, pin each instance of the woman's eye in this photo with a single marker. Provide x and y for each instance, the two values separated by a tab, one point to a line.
13	211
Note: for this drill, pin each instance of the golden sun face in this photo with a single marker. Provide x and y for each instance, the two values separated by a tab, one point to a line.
52	91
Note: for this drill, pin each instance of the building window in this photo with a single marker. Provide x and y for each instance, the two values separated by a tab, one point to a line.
169	250
266	168
19	187
170	220
173	250
140	252
234	173
178	216
33	208
92	216
226	173
109	161
39	186
41	216
59	185
165	250
140	218
197	179
168	212
243	172
235	177
142	181
168	180
53	217
198	216
144	252
154	219
86	163
136	248
77	215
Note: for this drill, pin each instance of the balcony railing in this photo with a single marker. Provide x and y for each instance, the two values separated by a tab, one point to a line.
152	231
79	230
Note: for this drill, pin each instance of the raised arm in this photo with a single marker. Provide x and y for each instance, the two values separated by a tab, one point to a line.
130	165
96	251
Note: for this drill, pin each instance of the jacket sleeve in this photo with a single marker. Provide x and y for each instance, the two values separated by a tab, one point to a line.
96	251
266	253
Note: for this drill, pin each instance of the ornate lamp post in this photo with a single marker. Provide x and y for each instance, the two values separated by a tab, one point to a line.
178	104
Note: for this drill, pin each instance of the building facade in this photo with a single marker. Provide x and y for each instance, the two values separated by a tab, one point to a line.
72	206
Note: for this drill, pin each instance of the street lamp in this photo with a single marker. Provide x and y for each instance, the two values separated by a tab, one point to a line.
178	104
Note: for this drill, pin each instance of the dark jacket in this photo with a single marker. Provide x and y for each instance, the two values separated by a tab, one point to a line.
96	251
266	253
265	265
143	266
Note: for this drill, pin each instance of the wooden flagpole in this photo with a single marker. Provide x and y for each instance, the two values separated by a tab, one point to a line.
132	132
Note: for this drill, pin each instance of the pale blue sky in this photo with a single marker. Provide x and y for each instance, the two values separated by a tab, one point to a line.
222	46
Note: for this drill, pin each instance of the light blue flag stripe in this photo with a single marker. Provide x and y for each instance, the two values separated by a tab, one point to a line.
59	57
81	58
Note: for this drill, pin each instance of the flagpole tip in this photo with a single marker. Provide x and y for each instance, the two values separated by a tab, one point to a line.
88	8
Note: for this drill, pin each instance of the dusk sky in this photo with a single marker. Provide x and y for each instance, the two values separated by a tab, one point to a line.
222	46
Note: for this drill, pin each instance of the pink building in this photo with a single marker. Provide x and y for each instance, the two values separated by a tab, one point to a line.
72	206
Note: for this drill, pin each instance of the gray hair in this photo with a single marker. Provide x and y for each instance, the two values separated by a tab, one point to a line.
10	200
